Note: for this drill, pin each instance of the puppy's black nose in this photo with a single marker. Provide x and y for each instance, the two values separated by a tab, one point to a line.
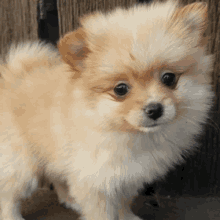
154	110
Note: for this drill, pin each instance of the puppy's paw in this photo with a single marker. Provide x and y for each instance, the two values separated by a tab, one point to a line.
65	204
71	205
18	217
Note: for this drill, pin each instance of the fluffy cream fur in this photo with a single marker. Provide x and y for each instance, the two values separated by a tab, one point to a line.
61	117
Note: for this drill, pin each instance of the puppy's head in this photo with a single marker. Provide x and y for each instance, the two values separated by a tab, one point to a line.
141	69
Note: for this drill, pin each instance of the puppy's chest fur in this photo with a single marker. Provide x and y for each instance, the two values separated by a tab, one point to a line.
116	160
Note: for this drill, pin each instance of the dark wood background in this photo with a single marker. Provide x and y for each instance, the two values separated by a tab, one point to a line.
49	19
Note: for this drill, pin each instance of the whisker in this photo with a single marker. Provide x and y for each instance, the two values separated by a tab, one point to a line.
186	107
213	124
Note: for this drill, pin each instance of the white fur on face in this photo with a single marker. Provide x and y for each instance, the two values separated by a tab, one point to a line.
107	107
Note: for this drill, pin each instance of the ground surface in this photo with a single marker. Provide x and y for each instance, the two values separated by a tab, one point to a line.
43	205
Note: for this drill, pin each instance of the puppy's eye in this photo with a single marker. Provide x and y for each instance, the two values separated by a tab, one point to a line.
121	89
168	79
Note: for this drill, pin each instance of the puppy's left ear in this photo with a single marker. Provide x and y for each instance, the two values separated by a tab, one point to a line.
190	22
73	49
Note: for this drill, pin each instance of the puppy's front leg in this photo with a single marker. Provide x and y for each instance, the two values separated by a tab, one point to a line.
10	210
95	205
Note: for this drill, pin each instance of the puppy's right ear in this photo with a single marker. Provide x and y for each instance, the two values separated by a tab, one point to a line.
73	49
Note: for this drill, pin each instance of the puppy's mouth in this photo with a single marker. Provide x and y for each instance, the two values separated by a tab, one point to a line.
151	127
147	129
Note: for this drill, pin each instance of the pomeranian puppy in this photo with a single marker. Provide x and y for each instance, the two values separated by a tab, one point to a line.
116	107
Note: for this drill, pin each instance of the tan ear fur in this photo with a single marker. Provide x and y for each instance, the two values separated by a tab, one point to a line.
73	49
195	16
190	23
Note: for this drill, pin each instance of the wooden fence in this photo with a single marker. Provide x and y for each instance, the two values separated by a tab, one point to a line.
22	20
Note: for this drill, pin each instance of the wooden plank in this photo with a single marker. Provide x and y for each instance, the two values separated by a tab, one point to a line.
200	174
69	11
18	22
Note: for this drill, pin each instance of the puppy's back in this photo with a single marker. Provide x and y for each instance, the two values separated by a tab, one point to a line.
33	79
